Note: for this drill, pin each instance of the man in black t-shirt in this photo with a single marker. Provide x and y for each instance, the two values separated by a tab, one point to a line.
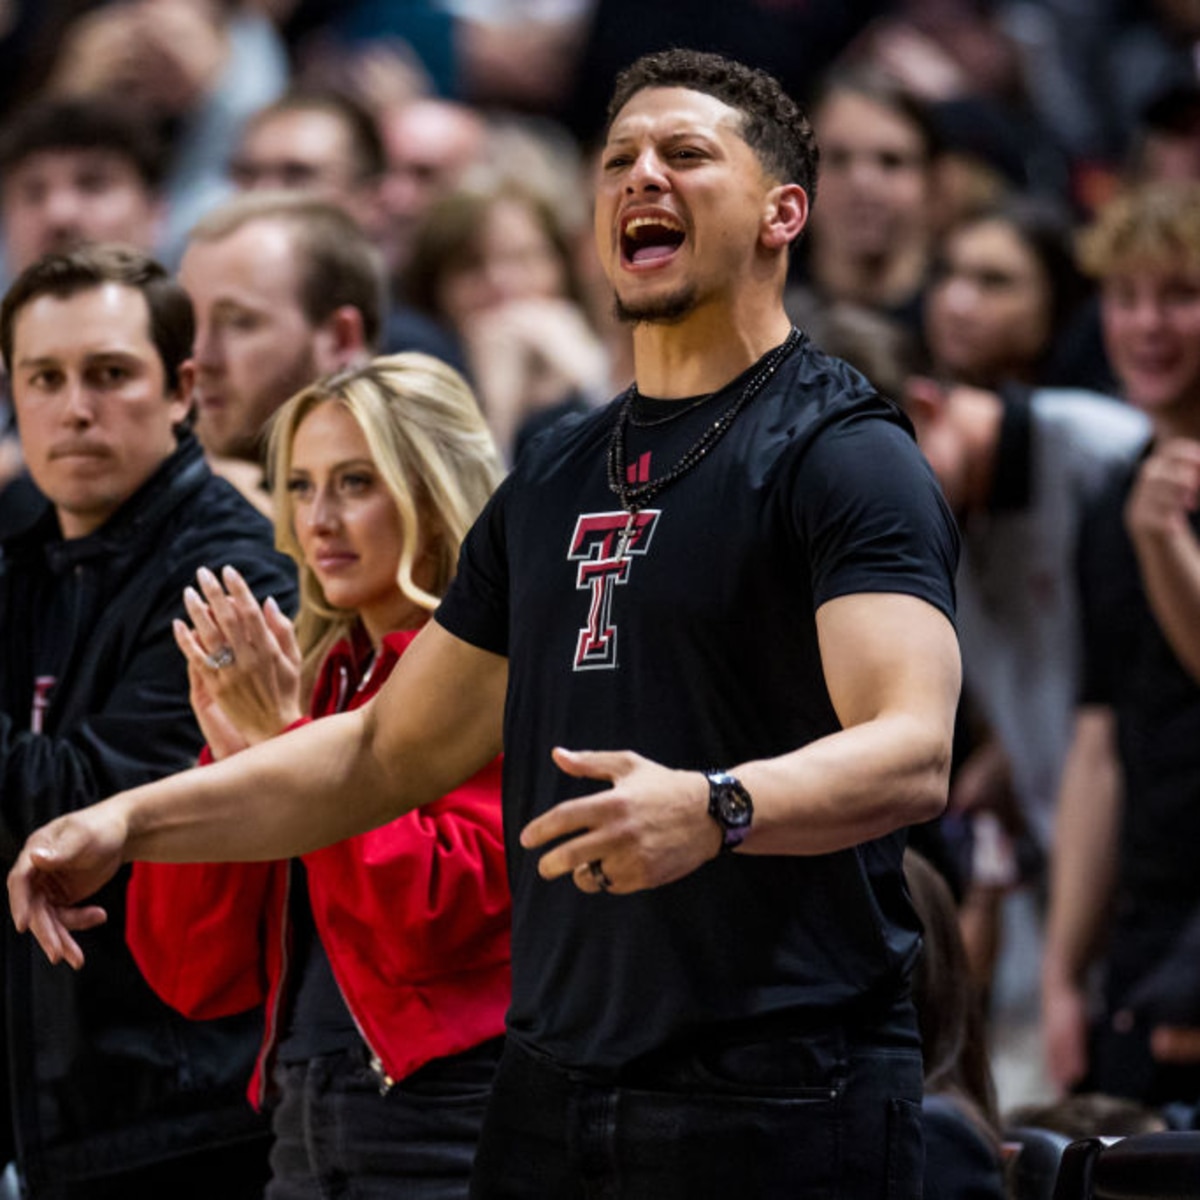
711	626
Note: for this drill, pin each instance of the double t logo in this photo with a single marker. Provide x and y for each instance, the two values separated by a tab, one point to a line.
604	544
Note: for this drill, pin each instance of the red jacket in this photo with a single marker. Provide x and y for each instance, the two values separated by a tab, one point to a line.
414	916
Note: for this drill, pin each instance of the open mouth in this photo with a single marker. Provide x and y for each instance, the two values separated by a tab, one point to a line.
650	239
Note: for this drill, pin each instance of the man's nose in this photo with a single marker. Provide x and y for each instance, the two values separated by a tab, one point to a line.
79	408
206	348
648	172
61	209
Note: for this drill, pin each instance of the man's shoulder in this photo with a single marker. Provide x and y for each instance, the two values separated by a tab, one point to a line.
816	391
216	525
215	508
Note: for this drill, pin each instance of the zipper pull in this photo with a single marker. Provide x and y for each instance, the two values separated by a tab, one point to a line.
385	1081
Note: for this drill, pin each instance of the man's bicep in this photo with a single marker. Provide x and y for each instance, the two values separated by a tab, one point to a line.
889	652
439	717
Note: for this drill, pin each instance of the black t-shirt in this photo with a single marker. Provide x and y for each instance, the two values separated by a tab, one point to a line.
698	649
1130	667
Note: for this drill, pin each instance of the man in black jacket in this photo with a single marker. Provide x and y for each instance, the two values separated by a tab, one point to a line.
112	1093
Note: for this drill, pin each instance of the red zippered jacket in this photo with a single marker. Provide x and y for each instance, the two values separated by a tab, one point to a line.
414	916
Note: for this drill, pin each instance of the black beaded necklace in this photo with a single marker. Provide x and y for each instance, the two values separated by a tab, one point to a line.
635	496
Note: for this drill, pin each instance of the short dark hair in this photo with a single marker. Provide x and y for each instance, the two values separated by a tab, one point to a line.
337	263
370	156
774	126
172	325
77	124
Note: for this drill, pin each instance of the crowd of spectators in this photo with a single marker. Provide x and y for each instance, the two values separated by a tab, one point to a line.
1005	240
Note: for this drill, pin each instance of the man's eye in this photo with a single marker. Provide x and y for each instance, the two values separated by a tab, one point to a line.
110	375
242	322
92	184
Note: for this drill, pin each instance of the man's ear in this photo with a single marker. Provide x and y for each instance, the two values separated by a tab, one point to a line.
184	395
786	215
341	339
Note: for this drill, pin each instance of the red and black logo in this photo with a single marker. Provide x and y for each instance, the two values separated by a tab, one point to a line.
604	545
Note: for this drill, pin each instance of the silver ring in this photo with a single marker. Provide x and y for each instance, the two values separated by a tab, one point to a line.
599	874
223	656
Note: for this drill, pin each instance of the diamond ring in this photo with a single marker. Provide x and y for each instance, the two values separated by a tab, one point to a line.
223	656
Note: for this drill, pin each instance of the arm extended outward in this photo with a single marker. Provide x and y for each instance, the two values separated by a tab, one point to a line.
436	721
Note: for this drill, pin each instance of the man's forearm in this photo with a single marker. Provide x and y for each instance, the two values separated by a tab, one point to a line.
850	787
299	791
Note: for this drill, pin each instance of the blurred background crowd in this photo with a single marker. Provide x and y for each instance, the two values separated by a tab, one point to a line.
459	134
965	144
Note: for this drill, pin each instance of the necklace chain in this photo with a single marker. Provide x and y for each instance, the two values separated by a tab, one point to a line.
635	496
677	411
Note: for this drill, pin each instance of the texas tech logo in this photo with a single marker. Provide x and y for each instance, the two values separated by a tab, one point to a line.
604	545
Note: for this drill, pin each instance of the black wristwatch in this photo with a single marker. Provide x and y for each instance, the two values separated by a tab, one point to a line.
730	805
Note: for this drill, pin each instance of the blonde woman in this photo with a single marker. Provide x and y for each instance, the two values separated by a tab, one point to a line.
382	961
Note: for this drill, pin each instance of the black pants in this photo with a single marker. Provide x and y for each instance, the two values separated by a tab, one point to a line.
233	1172
832	1112
337	1137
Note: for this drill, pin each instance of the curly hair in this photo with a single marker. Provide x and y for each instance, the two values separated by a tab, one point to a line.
774	126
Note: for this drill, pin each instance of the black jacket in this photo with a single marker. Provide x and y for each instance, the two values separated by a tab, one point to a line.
101	1075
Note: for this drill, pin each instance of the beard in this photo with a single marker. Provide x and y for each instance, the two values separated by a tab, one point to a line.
659	310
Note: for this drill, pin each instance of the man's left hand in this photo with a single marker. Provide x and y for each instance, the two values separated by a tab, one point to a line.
651	827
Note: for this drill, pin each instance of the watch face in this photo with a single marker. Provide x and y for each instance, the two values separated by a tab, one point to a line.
735	806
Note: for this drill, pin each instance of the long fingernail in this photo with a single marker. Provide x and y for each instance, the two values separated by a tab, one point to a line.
272	604
229	572
190	594
206	576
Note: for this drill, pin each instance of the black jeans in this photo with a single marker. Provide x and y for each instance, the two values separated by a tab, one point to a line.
825	1112
337	1137
237	1171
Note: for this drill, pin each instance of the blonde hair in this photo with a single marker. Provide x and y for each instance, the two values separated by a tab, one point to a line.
436	457
1156	225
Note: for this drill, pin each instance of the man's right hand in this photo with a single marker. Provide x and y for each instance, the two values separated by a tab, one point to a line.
60	865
